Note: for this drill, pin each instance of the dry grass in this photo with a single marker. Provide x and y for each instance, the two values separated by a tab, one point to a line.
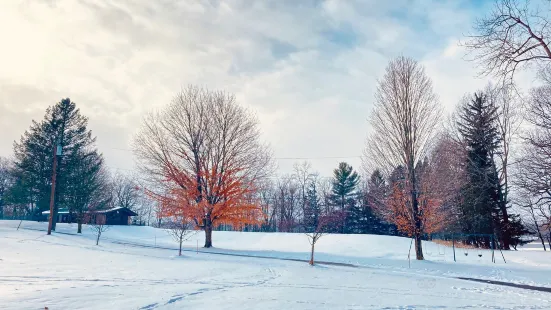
458	244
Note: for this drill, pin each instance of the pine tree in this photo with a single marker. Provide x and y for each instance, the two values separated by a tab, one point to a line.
343	194
88	187
482	193
62	125
312	210
362	218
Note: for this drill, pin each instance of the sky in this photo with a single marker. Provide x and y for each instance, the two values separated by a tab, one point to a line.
308	69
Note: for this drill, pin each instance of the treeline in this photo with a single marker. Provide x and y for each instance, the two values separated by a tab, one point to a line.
295	202
484	173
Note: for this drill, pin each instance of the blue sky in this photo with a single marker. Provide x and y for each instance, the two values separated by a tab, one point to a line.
308	69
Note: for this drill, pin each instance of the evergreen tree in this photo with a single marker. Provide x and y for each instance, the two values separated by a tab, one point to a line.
62	125
343	194
313	209
482	194
88	187
363	218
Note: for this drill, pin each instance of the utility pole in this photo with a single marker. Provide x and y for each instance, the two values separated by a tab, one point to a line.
56	152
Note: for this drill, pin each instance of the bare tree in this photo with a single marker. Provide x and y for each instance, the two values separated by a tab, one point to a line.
404	121
325	186
319	230
98	225
126	191
447	176
534	174
6	180
504	98
204	142
533	224
303	175
509	119
180	228
514	34
287	203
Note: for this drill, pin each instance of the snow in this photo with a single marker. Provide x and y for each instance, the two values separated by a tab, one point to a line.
61	211
138	268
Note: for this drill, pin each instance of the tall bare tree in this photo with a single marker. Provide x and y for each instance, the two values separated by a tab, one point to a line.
404	120
508	120
303	175
6	180
514	34
206	145
534	167
126	191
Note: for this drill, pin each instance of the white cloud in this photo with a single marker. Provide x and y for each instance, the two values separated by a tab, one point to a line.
308	69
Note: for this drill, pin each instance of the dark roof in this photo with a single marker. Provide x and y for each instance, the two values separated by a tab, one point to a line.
118	210
60	211
112	210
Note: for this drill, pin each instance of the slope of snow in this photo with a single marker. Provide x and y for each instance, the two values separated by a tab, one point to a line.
68	271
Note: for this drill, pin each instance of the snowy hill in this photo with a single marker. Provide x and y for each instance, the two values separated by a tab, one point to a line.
138	268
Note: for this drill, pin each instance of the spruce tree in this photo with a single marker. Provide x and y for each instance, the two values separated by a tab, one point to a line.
312	210
62	125
343	192
482	193
88	187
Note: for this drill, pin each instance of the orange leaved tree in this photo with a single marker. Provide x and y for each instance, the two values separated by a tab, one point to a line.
202	156
397	209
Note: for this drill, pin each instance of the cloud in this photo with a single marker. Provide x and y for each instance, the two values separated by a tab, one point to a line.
307	68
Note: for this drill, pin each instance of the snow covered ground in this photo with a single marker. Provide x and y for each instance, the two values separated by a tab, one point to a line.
137	268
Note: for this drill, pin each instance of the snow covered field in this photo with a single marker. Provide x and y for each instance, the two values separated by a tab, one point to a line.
138	268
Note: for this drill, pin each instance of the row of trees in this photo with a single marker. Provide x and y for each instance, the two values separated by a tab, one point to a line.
202	160
204	164
296	202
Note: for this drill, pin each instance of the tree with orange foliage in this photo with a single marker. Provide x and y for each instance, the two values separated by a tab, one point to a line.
395	205
202	155
398	211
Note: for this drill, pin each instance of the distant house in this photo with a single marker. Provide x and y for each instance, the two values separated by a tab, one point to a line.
113	216
63	216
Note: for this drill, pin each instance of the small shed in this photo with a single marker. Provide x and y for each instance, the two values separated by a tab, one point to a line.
63	215
113	216
117	216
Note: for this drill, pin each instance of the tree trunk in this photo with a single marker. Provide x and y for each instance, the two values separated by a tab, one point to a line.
542	241
54	218
79	229
538	229
415	207
312	254
180	252
208	233
506	239
418	247
417	221
97	240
